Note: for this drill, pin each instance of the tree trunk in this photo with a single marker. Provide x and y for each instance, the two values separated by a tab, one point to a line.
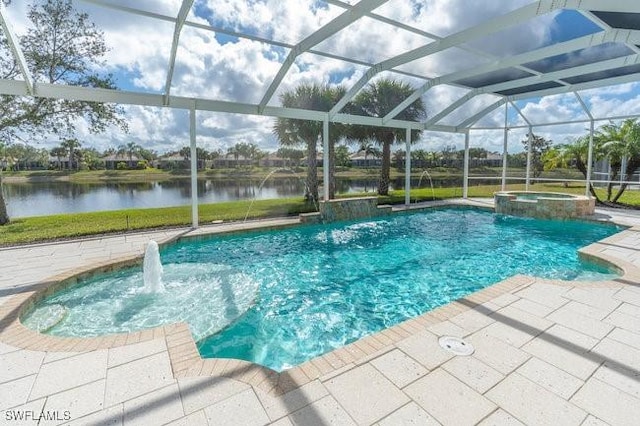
4	216
632	166
311	190
583	169
383	184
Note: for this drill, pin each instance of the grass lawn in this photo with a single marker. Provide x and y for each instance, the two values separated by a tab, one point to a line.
43	228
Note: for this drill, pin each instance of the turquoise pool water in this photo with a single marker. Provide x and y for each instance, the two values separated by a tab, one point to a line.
310	289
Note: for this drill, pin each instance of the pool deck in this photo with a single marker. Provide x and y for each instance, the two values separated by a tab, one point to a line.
547	352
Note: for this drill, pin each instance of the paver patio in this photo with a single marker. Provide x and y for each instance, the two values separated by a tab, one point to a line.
546	352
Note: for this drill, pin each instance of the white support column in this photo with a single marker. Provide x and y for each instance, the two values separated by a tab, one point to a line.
529	151
465	177
407	170
194	168
325	158
589	160
504	147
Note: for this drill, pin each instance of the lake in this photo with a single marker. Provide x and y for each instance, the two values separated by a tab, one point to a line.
54	197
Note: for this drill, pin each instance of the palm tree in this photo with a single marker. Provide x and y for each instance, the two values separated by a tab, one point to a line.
130	149
570	154
294	132
377	100
70	146
620	141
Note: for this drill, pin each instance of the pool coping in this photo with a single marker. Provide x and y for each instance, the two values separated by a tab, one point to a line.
183	354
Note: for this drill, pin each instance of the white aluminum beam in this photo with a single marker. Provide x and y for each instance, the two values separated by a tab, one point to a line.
342	21
584	105
325	160
194	167
182	17
520	113
439	116
471	120
488	27
14	45
577	87
465	173
513	61
407	169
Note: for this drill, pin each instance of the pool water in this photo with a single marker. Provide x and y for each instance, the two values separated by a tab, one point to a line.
311	289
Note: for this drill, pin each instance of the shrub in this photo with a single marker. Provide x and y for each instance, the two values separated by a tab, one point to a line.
121	166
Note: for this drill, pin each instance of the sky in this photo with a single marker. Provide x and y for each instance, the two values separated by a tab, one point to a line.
224	67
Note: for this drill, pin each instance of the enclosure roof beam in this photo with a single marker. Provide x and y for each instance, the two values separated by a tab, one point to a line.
182	17
602	37
473	119
630	78
520	113
583	104
14	45
92	94
497	24
342	21
439	116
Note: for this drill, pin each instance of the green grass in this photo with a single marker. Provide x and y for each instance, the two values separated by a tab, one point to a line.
45	228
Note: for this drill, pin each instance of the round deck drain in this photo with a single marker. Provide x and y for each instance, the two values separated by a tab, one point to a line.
456	345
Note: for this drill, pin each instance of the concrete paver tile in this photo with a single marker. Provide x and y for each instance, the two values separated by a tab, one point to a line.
243	408
79	402
582	323
573	360
608	403
138	377
69	372
597	297
588	311
326	411
398	367
534	308
471	320
628	296
410	414
366	394
19	364
496	353
123	354
200	392
454	403
618	354
594	421
282	405
194	419
549	377
544	294
158	407
508	334
112	416
424	348
624	379
15	392
515	394
625	336
473	372
500	418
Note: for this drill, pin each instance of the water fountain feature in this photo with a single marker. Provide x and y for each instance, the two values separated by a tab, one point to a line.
433	194
152	269
266	178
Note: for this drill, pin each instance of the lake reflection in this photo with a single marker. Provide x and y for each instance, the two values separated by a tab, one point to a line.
45	198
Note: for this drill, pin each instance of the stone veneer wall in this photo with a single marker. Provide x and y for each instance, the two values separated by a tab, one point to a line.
351	208
544	207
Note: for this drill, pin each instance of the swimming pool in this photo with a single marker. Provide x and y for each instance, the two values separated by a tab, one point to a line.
310	289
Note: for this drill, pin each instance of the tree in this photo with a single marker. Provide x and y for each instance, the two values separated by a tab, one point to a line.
620	141
539	146
574	153
129	149
342	156
71	145
58	152
377	100
61	46
295	132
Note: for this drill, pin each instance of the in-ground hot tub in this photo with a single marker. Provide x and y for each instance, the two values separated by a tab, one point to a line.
545	205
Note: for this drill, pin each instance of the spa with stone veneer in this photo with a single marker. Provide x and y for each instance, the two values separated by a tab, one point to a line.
543	205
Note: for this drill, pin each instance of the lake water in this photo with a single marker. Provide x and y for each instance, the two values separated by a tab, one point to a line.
46	198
